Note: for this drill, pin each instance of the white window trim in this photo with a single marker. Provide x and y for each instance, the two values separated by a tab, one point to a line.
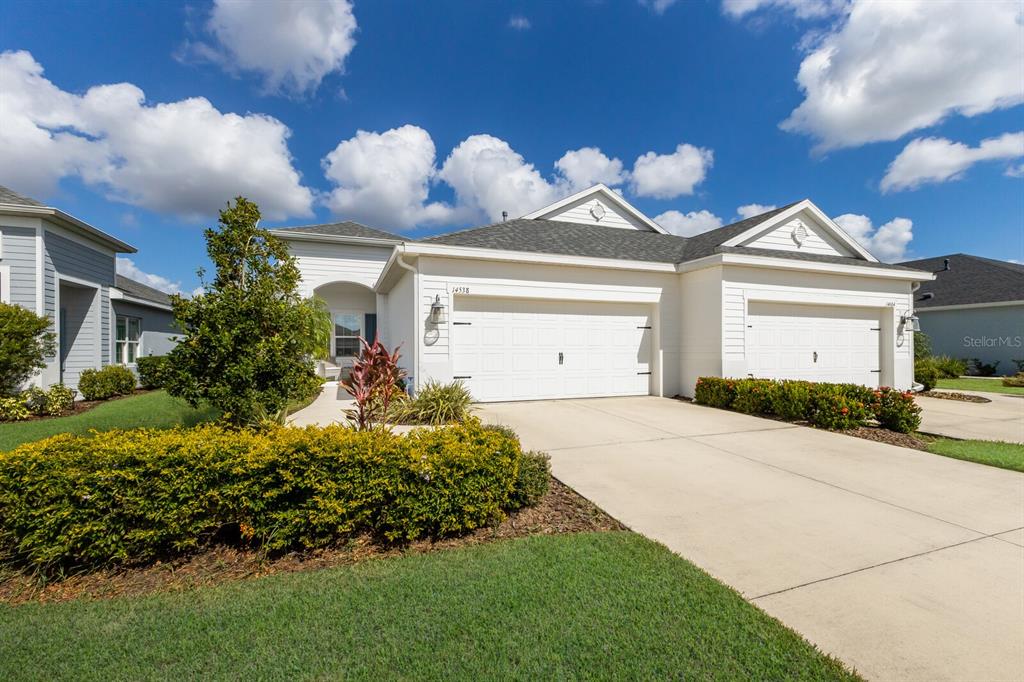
138	343
5	283
334	337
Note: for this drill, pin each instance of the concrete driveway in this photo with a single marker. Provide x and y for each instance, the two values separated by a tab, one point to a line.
904	564
1001	419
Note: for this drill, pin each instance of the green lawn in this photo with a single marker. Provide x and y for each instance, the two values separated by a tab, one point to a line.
602	605
974	384
155	410
1004	455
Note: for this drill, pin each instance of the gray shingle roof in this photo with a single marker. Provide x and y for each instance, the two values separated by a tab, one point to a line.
970	279
569	239
345	228
812	257
140	290
9	196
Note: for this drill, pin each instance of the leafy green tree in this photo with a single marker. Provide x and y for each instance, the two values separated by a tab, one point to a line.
25	343
250	339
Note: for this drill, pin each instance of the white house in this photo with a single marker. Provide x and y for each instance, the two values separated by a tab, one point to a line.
589	297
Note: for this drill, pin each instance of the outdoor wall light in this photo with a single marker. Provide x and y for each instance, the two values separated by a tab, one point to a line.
437	310
911	322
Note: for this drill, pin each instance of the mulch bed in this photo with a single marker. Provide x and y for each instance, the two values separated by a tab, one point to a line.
953	395
880	435
562	510
80	406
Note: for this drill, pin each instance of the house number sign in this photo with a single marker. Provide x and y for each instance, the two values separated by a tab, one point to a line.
460	290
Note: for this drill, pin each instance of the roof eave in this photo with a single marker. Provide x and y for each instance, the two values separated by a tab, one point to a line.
97	234
868	269
333	238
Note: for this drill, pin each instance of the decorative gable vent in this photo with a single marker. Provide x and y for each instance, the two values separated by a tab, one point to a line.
799	232
597	211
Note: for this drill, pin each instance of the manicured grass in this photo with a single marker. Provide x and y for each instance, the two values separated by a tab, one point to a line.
1004	455
972	384
602	605
155	410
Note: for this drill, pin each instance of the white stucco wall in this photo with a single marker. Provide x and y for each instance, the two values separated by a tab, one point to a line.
701	326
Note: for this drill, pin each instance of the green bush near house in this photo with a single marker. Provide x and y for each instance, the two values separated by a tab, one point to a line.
103	384
25	343
926	373
129	497
1016	381
438	403
825	405
949	367
151	369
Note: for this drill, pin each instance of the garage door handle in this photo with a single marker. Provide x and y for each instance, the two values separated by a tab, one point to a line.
465	323
815	356
466	376
561	358
643	372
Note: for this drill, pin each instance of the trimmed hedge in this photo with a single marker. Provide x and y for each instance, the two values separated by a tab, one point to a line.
129	497
152	370
828	406
101	384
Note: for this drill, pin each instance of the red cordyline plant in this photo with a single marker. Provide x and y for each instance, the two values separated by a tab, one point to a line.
373	383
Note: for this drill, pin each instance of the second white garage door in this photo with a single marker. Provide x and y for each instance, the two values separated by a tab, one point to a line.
814	343
519	349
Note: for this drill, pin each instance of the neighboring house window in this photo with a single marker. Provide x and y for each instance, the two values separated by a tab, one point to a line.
126	344
348	327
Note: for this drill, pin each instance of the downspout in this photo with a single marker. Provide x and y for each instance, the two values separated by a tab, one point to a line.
416	316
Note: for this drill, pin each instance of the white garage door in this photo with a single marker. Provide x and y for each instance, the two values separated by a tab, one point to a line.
815	343
518	349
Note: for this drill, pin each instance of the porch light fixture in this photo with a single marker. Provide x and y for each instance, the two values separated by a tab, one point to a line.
437	310
911	322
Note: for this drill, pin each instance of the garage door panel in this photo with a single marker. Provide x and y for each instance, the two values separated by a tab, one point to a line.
515	354
815	343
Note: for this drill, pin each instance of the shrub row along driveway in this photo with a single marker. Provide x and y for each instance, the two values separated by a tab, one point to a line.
904	564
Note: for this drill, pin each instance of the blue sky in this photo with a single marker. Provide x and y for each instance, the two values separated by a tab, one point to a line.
906	129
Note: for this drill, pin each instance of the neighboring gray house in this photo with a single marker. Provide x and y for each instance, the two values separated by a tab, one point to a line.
59	266
975	309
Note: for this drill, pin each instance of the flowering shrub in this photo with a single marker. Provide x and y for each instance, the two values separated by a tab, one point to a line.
828	406
753	396
896	410
374	384
715	392
127	497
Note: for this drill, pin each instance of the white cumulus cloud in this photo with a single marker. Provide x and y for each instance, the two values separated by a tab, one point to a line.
936	159
666	176
751	210
384	178
518	22
887	243
688	224
802	9
890	68
588	166
489	177
127	267
184	158
292	45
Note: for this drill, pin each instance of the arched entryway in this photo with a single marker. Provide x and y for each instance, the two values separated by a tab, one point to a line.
354	311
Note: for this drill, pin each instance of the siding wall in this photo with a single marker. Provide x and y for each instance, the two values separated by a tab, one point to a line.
701	333
73	258
892	298
80	346
579	212
441	277
323	262
989	334
18	252
818	241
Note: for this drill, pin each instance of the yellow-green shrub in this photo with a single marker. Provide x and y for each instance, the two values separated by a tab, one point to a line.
129	497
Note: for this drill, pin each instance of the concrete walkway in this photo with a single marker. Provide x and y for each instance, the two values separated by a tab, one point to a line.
328	408
1001	419
906	565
